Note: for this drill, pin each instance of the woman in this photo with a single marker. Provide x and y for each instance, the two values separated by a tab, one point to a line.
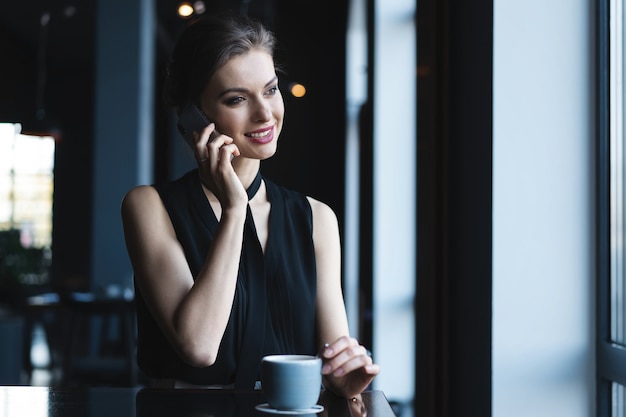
228	265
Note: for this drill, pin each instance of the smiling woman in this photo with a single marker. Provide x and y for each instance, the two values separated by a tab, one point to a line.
229	266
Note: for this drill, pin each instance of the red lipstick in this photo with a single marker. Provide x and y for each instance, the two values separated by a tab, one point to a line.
261	136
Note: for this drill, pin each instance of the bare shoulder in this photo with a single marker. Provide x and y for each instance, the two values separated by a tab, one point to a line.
140	192
146	224
139	197
325	225
143	211
323	214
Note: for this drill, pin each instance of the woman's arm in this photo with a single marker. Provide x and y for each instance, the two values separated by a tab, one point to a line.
347	368
192	314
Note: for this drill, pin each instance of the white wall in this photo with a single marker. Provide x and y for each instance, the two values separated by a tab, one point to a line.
394	200
543	209
394	187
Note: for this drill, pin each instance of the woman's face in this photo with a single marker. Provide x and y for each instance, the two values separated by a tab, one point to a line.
244	101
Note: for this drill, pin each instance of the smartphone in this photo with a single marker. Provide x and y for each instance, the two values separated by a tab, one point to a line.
191	119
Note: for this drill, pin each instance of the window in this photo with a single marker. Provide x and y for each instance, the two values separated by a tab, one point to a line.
611	347
26	192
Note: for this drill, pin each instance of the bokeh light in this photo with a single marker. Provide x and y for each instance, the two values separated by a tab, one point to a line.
297	90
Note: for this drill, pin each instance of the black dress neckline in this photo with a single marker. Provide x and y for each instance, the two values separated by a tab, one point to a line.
254	187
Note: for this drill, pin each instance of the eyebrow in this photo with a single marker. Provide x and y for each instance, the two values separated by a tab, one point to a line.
244	90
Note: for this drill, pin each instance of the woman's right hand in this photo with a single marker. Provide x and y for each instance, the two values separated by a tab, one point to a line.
214	153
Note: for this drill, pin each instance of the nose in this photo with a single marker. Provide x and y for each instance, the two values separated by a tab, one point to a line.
262	111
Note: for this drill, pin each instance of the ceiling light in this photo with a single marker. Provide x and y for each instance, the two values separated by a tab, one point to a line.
185	10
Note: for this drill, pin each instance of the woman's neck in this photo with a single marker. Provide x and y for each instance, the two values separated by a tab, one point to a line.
246	169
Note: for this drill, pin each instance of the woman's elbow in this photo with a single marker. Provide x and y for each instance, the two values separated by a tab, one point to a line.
198	356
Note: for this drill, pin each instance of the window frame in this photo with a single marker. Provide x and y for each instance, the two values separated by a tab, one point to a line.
610	356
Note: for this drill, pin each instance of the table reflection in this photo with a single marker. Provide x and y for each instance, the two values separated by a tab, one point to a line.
221	403
18	401
194	403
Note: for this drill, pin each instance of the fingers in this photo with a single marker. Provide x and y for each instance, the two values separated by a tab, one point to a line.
212	147
214	152
200	141
204	140
346	355
345	364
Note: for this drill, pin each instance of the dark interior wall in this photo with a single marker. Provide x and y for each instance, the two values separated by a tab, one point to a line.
454	239
71	97
312	146
17	80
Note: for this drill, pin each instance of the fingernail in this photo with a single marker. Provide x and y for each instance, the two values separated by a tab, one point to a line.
338	372
325	369
323	350
327	350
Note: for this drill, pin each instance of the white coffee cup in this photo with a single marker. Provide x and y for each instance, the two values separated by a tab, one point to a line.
291	382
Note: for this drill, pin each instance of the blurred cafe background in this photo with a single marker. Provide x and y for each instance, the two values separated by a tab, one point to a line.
456	141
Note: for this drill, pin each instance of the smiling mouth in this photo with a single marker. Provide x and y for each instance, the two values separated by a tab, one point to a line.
262	136
259	135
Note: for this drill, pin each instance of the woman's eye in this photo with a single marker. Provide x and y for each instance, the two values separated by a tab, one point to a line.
234	100
272	90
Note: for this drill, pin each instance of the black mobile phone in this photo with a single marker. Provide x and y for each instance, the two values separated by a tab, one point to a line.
191	119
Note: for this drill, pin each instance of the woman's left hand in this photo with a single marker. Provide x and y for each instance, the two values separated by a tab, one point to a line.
347	367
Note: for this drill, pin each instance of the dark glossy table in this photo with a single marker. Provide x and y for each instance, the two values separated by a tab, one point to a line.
144	402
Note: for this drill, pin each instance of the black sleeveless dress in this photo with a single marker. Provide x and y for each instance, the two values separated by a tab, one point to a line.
274	304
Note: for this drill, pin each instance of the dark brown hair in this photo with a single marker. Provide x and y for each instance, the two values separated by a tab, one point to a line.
205	45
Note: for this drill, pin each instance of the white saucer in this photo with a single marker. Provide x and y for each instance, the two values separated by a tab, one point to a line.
313	410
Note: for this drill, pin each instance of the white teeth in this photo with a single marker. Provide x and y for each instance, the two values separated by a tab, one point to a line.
259	135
